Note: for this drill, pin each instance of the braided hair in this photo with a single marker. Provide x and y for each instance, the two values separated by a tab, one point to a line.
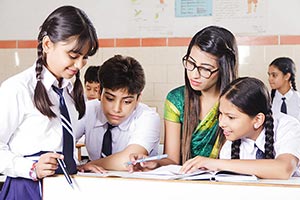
285	65
251	97
60	25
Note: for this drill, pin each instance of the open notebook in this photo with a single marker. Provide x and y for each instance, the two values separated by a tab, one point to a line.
171	172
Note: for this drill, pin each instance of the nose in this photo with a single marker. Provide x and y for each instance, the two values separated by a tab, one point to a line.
269	78
195	73
221	122
80	63
117	107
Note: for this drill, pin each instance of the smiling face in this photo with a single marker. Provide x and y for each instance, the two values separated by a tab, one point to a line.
236	124
118	105
205	60
61	60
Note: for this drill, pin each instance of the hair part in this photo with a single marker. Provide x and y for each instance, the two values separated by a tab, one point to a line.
122	72
251	97
62	24
221	43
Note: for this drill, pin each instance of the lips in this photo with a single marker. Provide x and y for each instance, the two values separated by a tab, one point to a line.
226	133
195	83
115	117
73	71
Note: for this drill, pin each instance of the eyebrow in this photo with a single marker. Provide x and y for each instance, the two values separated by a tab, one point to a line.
73	51
272	72
202	64
126	97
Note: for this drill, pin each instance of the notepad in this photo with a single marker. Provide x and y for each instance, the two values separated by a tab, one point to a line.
171	172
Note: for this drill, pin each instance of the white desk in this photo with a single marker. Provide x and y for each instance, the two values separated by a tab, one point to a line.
122	188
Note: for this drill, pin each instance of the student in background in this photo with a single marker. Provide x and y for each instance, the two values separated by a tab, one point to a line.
191	111
119	124
285	97
257	142
30	122
91	83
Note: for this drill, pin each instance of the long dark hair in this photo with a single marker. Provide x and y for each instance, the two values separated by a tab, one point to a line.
60	25
251	97
221	43
285	65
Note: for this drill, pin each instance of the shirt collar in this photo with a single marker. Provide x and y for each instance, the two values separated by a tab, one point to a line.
102	120
249	144
260	140
49	79
288	95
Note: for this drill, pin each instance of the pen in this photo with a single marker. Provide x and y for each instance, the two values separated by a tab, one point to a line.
158	157
63	167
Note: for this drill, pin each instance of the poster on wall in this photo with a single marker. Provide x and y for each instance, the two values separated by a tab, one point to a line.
241	16
193	8
151	18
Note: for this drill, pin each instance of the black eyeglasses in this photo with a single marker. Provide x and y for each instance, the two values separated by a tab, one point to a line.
190	65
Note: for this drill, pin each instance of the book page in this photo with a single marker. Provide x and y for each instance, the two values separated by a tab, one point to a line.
234	176
171	172
164	172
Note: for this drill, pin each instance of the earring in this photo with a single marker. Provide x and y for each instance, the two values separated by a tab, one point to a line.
256	126
45	49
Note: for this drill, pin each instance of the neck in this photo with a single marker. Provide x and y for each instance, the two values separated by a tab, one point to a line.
256	133
284	89
212	93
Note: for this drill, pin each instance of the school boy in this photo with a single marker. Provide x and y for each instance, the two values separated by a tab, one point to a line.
119	124
91	83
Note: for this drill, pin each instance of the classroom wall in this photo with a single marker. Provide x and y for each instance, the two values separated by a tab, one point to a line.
160	56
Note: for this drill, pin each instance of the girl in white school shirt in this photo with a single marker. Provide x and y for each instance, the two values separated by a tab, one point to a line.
246	119
282	75
30	124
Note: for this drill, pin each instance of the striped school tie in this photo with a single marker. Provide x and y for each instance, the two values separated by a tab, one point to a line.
68	147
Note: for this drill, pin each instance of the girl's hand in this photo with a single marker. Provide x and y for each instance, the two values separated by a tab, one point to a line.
196	163
47	164
91	167
142	166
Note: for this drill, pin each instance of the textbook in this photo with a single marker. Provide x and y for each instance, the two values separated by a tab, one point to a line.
171	172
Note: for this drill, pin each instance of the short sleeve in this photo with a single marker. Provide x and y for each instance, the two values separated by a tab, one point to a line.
173	107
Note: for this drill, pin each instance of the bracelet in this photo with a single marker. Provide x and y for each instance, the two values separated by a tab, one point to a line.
32	172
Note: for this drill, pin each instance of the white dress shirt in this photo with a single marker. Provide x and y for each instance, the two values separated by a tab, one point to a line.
24	130
142	127
292	103
286	140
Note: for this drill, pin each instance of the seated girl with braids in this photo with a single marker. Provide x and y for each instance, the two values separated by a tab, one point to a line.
252	133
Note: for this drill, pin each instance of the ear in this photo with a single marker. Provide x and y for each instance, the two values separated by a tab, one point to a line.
46	44
259	119
139	97
287	76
